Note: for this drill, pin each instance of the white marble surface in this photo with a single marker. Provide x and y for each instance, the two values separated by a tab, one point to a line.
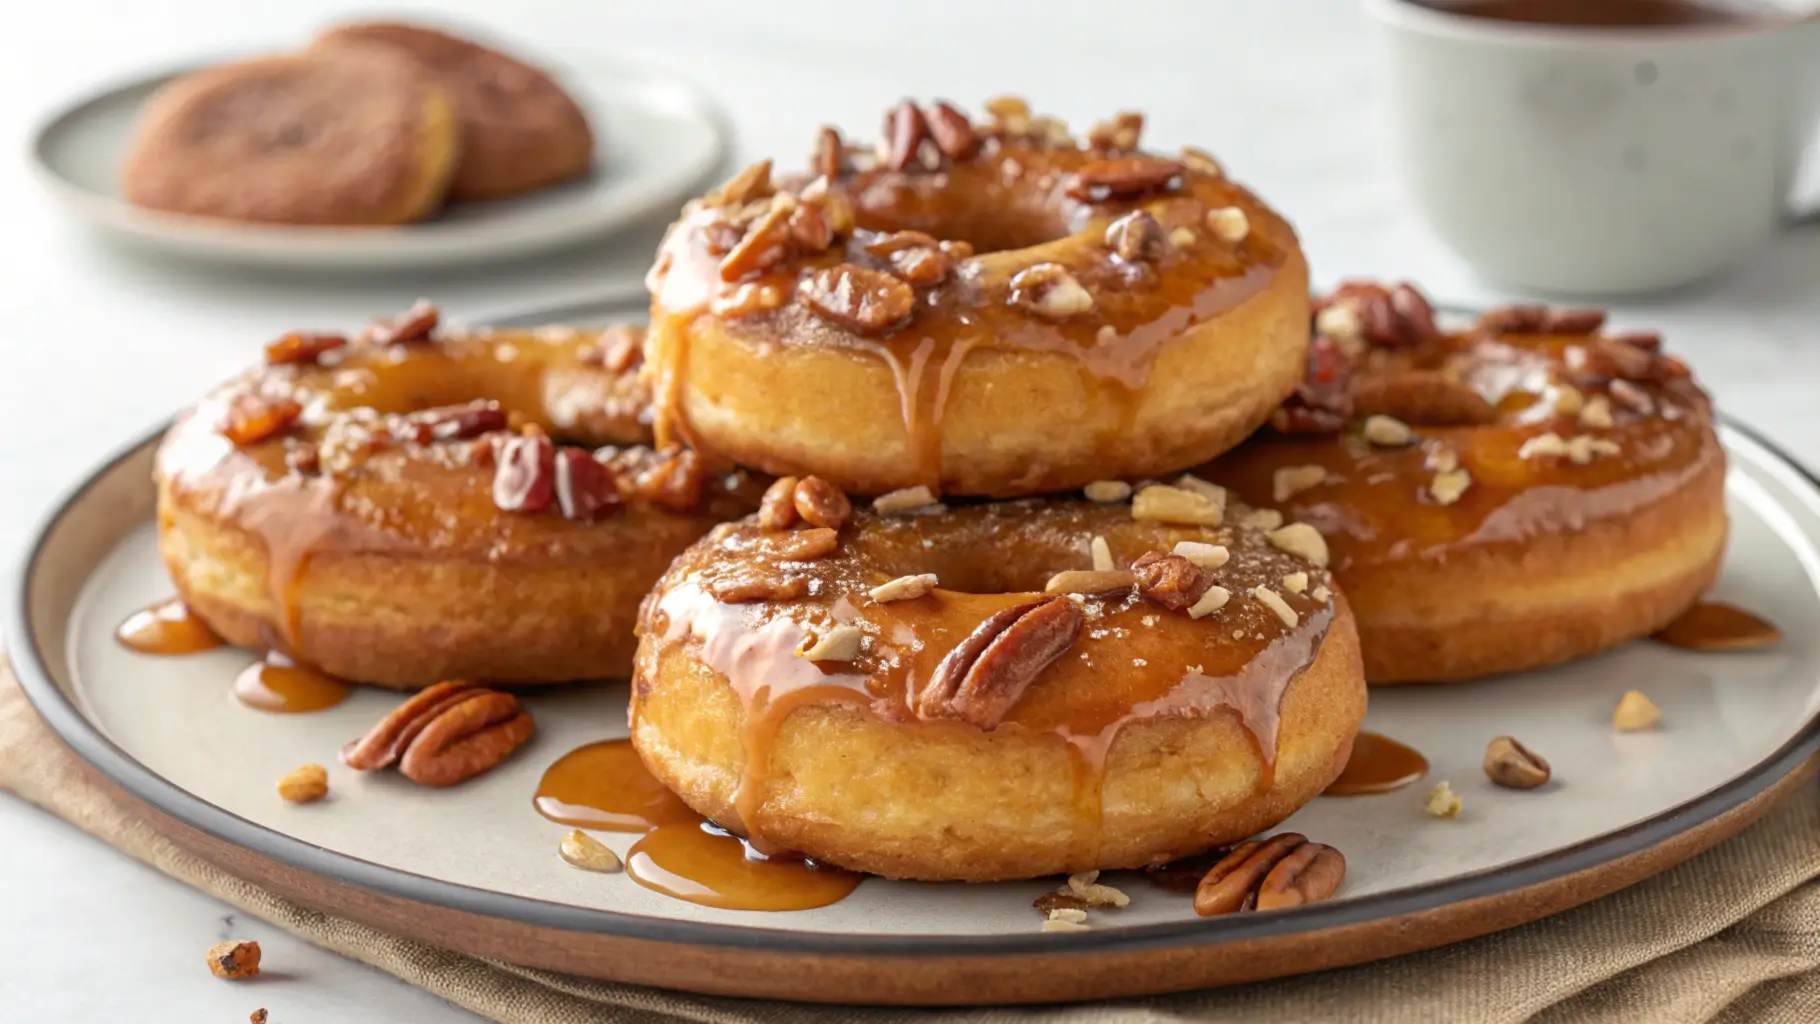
1283	90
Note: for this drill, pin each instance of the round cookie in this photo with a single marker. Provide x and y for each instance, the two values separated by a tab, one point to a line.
520	130
344	138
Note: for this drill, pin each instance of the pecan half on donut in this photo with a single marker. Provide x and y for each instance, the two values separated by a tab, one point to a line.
253	418
302	347
984	675
1123	177
414	324
864	301
524	479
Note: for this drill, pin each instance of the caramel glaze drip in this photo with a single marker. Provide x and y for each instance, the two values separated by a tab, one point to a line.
280	685
605	786
166	628
365	492
1010	203
1374	508
1378	764
1127	665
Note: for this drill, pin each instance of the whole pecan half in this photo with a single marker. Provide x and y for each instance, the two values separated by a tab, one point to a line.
985	674
767	243
746	588
905	130
864	301
1123	177
449	423
302	347
414	324
1170	580
253	418
466	738
524	476
952	132
1285	870
829	158
585	489
820	503
752	182
777	510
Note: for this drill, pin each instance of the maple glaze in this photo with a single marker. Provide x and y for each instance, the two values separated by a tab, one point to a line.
280	685
1134	660
1378	764
1010	203
168	627
605	786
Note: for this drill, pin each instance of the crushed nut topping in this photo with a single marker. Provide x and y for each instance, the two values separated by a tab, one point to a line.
1570	401
820	503
1388	432
842	643
1107	492
1229	224
1261	519
1302	541
867	302
1212	601
1119	135
804	545
1102	555
1289	481
1340	321
412	325
1160	503
1089	581
1201	162
1211	491
904	588
1513	766
1596	413
1448	485
1295	582
1170	580
753	182
777	509
234	960
582	850
1635	712
1136	237
1274	601
1207	556
748	589
1054	923
1123	177
1088	887
1579	450
301	347
1321	594
1442	801
304	785
524	473
1048	290
254	418
1183	237
907	499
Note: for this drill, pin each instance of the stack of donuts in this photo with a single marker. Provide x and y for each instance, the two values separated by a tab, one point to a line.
985	504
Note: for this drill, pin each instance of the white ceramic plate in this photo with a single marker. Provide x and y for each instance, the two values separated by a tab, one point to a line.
661	141
1736	728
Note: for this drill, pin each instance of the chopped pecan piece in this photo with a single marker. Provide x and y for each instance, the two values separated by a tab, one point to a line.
1285	870
1322	402
777	510
456	423
1170	580
676	483
809	228
302	347
1049	291
820	503
830	156
1518	319
804	545
905	130
952	132
915	257
414	324
984	675
253	418
866	302
304	785
524	476
1123	177
1648	341
767	243
745	589
1136	237
1119	135
1512	765
751	183
585	489
617	350
234	960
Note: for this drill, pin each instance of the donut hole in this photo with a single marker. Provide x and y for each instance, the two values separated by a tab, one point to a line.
987	214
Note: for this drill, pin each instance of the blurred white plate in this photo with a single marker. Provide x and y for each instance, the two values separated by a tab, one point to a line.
661	140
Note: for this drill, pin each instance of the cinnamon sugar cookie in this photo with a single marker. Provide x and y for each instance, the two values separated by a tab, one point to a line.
347	138
520	130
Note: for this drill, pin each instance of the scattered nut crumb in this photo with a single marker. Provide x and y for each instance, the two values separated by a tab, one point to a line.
1206	556
257	1016
838	644
1585	448
1087	581
1182	237
1302	541
1632	397
1102	555
1442	802
1443	460
234	960
1448	485
1211	491
1295	582
1212	601
1087	886
1596	413
1388	431
1635	712
1274	601
907	499
1542	445
587	853
304	785
1060	924
1073	915
1201	162
1161	503
1229	224
1340	322
1321	594
1262	519
1512	765
904	588
1107	492
1050	291
1290	481
1569	401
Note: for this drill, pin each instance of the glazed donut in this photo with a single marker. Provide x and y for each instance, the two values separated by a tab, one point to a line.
1502	498
992	310
519	130
403	508
330	139
923	694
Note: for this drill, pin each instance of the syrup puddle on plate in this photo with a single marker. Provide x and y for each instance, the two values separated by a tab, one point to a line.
281	686
605	786
166	628
1378	764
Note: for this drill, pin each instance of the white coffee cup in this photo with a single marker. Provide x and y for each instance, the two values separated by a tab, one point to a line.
1576	159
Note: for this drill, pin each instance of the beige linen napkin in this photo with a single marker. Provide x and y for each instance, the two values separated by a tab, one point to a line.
1732	935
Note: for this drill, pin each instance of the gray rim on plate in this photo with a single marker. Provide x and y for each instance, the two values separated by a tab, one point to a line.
119	766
